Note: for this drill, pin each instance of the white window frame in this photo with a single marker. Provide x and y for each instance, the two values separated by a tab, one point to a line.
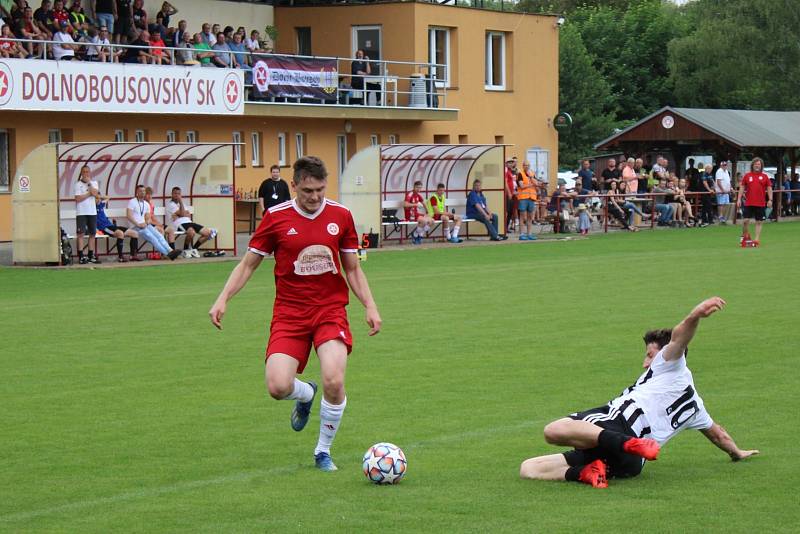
139	136
432	51
255	146
119	136
5	157
236	137
282	149
373	140
299	145
392	139
172	136
54	135
191	136
489	72
341	152
354	39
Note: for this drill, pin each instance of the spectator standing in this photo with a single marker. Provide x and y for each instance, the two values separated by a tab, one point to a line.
139	15
706	202
630	177
167	10
641	173
694	178
722	187
756	189
105	11
63	48
415	211
510	192
478	209
437	208
208	36
123	25
359	68
526	194
273	191
138	213
795	187
586	175
610	173
177	36
85	191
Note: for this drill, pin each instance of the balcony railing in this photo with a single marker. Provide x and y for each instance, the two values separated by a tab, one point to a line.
393	84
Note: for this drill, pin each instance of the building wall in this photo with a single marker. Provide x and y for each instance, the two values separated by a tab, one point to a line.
196	12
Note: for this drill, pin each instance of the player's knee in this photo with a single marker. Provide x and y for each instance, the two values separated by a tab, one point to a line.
554	433
333	386
278	389
190	232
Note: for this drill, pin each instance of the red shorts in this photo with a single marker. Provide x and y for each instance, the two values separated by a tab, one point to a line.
294	334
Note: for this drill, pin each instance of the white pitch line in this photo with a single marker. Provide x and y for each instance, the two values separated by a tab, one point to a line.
238	477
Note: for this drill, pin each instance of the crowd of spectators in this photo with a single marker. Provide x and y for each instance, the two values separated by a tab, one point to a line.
74	35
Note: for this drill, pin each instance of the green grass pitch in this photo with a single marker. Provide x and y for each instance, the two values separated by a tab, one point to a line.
124	410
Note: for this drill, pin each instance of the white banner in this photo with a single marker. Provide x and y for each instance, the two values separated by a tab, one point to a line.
31	84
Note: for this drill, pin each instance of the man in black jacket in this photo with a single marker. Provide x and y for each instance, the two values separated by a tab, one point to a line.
273	191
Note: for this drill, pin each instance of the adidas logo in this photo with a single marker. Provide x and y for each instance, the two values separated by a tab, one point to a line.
291	231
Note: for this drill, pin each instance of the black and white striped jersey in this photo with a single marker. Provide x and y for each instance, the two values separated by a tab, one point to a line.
663	401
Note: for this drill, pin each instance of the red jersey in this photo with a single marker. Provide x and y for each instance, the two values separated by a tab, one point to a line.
308	272
412	214
510	183
755	189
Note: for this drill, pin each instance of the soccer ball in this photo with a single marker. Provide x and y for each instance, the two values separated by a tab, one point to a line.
385	463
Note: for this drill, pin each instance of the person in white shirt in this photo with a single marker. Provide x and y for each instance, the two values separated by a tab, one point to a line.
85	191
722	186
63	48
138	214
179	219
614	440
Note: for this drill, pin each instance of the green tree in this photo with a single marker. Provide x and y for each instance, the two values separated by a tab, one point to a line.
585	95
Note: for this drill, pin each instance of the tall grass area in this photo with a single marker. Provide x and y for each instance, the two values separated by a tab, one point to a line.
124	410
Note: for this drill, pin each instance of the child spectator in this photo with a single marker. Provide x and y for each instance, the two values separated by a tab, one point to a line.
159	56
9	48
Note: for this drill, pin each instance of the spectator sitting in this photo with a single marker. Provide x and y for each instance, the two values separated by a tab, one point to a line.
478	209
185	54
60	16
148	196
629	207
29	29
180	219
415	211
141	52
666	213
239	52
437	208
64	49
222	55
118	232
77	18
43	17
92	51
167	10
139	15
253	43
204	53
106	52
561	203
228	33
680	196
159	55
9	48
138	213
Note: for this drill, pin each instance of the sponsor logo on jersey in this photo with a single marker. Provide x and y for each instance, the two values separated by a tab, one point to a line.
291	231
315	259
333	229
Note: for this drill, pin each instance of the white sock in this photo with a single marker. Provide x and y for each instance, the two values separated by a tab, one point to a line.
426	228
447	233
417	232
329	417
302	391
456	229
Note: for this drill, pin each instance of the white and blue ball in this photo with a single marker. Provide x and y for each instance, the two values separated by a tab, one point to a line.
385	463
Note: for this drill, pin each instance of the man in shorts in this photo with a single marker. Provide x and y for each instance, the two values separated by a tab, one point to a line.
314	242
527	195
437	208
415	211
614	440
756	189
181	220
86	191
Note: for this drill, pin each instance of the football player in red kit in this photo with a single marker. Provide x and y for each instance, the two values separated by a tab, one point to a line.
756	189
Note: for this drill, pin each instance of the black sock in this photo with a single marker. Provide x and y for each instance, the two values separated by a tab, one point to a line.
91	254
172	245
80	254
119	247
134	246
573	473
612	441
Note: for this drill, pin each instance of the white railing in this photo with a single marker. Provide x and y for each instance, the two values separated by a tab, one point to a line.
402	84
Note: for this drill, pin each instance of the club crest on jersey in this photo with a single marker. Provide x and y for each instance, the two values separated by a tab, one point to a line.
315	259
333	229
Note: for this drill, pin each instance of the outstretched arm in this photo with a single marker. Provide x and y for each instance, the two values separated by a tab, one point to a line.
236	281
720	437
360	287
684	332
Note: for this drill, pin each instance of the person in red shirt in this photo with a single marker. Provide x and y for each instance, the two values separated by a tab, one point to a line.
509	175
157	49
60	14
416	211
314	242
757	191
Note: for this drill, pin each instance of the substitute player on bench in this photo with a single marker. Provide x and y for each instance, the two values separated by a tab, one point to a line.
615	439
313	240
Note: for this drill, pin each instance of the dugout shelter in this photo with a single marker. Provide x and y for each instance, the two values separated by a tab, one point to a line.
377	179
43	200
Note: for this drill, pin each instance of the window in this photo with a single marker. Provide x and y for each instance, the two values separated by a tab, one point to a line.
282	149
120	136
303	41
443	139
191	136
341	152
172	136
392	139
237	149
374	140
5	156
54	136
499	139
255	147
140	136
439	53
495	60
299	145
463	139
368	39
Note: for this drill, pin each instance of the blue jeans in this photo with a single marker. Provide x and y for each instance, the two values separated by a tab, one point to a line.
665	213
491	227
151	235
107	20
632	208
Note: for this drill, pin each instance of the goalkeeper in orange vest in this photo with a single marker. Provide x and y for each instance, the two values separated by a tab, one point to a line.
526	193
437	208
